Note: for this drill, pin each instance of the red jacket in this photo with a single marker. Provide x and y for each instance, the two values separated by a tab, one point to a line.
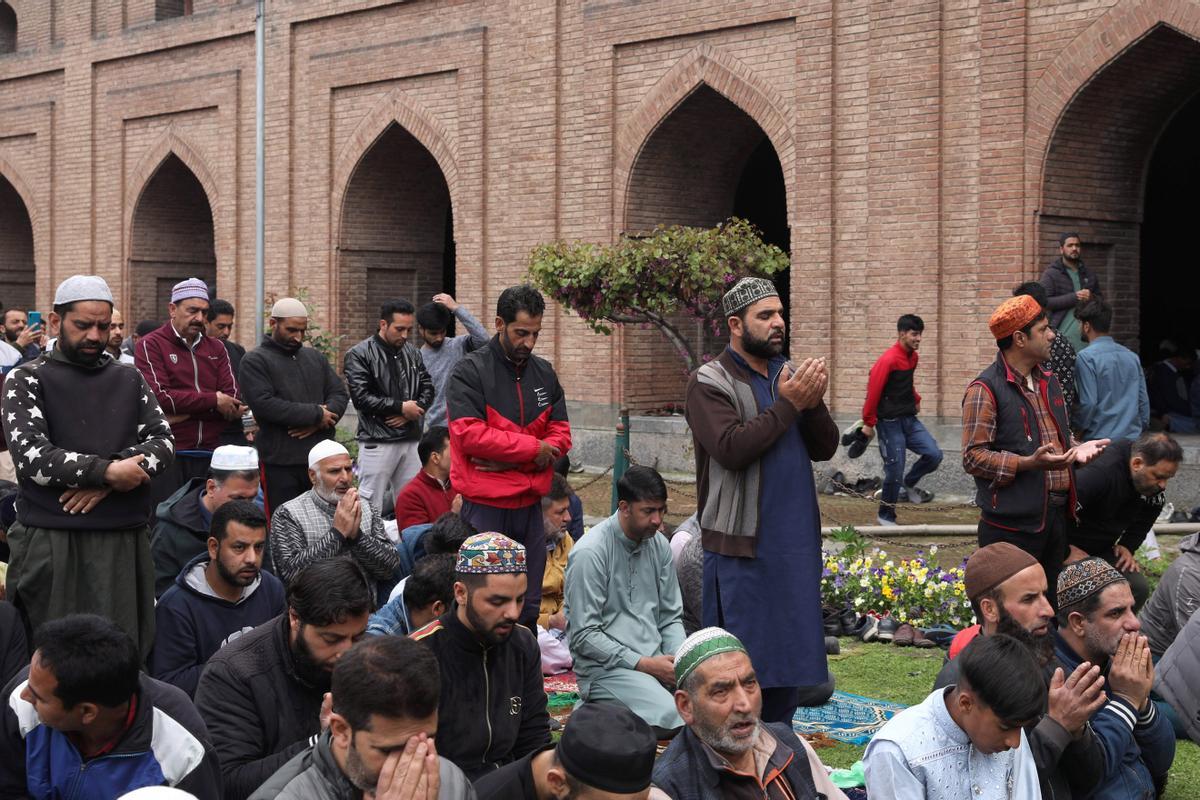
500	412
422	499
890	390
186	381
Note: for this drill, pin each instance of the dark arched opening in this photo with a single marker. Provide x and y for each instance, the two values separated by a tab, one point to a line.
16	250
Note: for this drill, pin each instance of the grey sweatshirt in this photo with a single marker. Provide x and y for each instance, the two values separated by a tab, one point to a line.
440	362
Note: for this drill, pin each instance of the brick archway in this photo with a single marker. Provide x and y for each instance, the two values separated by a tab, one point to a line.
1113	91
171	237
18	263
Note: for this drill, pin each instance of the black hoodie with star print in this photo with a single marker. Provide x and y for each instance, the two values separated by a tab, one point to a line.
65	422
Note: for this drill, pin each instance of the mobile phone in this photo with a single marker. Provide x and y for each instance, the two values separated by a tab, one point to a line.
35	318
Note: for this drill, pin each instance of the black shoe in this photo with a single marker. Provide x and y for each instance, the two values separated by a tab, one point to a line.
832	621
849	619
887	630
863	623
832	646
917	495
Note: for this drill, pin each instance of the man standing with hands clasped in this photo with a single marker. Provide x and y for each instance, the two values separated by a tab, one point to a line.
758	424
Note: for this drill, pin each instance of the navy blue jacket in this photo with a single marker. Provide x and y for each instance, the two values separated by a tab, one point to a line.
1138	748
192	624
167	744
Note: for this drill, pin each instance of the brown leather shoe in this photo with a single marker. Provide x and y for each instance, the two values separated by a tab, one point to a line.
921	640
905	636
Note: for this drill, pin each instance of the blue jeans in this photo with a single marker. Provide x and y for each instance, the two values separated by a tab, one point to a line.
896	436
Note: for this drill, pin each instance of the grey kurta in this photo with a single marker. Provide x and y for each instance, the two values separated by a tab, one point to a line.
622	603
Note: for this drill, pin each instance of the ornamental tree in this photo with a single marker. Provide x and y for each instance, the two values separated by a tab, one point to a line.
655	280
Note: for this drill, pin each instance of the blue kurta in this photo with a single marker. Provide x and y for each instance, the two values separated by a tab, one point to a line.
773	602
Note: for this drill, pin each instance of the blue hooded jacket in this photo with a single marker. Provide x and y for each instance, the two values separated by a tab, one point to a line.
193	623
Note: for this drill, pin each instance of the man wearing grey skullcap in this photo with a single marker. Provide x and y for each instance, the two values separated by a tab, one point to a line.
296	398
86	436
193	380
758	423
1096	624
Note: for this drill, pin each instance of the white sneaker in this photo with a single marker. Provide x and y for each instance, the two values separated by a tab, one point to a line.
888	523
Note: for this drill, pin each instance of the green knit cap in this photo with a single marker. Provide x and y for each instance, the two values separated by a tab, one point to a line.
700	647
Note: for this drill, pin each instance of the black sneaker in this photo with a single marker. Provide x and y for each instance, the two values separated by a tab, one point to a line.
887	630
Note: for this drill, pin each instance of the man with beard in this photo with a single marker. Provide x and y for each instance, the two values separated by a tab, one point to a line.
1096	624
330	519
1017	443
508	423
1120	496
87	436
891	407
116	337
193	382
1007	590
758	424
261	695
379	742
296	398
493	705
441	353
727	751
1068	283
219	596
623	606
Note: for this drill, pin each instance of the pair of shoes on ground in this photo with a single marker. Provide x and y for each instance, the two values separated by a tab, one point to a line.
889	631
841	622
909	494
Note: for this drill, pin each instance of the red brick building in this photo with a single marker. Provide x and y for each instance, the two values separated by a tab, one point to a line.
914	156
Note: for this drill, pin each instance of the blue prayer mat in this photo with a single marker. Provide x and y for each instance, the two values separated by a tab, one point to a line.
846	717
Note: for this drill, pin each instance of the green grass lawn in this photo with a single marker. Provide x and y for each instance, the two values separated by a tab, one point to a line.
905	675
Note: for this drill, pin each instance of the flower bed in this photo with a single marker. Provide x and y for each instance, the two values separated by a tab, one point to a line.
915	590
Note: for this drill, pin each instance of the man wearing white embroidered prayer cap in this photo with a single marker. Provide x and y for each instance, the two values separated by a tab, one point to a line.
330	520
966	740
86	436
82	721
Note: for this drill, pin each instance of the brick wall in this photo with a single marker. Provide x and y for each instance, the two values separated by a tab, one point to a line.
172	239
16	250
930	153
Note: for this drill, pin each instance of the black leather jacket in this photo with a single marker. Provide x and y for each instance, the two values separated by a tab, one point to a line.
380	378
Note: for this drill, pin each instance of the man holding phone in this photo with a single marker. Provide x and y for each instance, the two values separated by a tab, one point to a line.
192	380
22	338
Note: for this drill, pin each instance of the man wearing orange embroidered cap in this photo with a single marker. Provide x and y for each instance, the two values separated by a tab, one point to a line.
1017	441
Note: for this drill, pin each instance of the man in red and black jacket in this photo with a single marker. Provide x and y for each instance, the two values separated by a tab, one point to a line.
508	424
891	408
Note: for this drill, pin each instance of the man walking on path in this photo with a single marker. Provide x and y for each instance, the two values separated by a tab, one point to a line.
87	436
1017	443
391	391
891	407
192	381
441	353
758	424
296	398
508	423
1068	283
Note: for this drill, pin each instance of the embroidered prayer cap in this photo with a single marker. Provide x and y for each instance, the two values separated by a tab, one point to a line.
990	566
323	450
1082	579
490	552
189	288
608	747
700	647
1013	314
746	292
233	458
79	288
288	307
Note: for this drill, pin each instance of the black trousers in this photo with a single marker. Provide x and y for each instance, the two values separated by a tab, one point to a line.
283	482
1048	546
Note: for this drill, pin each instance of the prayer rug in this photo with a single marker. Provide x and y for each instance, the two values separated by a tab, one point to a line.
846	717
562	693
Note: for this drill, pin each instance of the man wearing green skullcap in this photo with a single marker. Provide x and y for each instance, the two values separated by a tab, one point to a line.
727	752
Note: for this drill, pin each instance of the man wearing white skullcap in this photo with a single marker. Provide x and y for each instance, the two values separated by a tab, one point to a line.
296	398
86	435
182	523
330	519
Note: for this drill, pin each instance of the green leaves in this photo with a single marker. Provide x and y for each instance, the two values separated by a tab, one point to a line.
645	280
